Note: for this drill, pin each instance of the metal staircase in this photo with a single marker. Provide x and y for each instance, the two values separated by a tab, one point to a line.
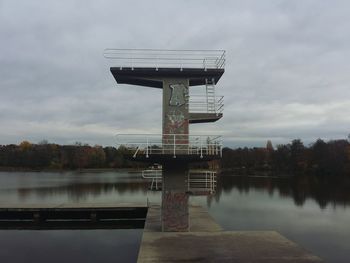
206	101
210	94
204	104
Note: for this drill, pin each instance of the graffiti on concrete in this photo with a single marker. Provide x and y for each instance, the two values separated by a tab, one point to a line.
178	95
175	211
176	121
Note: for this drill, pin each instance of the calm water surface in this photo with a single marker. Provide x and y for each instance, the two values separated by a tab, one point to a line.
314	215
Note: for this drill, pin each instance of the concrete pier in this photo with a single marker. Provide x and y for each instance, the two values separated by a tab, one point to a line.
73	216
207	242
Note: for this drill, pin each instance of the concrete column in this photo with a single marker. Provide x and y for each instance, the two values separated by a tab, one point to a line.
175	115
175	142
175	214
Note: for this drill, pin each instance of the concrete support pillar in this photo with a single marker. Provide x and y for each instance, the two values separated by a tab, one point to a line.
175	142
175	214
175	116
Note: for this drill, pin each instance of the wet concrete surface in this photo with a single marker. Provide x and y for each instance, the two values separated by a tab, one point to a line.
207	242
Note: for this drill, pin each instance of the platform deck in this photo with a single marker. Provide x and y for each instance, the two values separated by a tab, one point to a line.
207	242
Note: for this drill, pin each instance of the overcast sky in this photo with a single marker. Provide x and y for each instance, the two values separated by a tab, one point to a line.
287	70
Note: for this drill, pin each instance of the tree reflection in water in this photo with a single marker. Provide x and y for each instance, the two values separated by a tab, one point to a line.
299	188
80	192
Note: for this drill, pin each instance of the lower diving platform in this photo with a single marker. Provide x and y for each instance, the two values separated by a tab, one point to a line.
204	117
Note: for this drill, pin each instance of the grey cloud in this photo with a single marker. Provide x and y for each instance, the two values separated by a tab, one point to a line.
287	73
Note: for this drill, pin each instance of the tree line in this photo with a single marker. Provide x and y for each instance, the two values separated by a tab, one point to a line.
320	158
53	156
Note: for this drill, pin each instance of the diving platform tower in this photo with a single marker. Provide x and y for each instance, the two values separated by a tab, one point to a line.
188	81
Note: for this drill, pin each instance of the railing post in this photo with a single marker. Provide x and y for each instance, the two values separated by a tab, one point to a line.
188	139
215	104
188	181
201	148
206	180
174	145
206	92
210	182
156	180
213	182
132	62
157	63
147	149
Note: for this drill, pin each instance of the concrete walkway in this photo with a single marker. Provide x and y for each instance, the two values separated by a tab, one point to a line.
207	242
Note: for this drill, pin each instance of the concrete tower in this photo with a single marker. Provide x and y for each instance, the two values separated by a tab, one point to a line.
175	72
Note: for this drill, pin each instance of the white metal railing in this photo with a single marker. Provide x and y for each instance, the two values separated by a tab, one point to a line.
198	181
171	144
155	175
202	181
205	100
201	104
166	58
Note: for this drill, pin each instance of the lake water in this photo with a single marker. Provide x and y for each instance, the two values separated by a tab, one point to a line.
313	214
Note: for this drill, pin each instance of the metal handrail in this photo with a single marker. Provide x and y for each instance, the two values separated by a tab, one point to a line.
202	181
200	104
155	175
175	144
156	58
205	100
197	180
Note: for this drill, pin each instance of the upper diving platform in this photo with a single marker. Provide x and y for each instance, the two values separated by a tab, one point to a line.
147	67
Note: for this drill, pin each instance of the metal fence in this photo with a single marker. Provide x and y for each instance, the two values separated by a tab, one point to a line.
203	104
166	58
202	181
203	99
198	181
155	175
171	144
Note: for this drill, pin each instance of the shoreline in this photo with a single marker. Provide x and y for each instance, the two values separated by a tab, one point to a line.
85	170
